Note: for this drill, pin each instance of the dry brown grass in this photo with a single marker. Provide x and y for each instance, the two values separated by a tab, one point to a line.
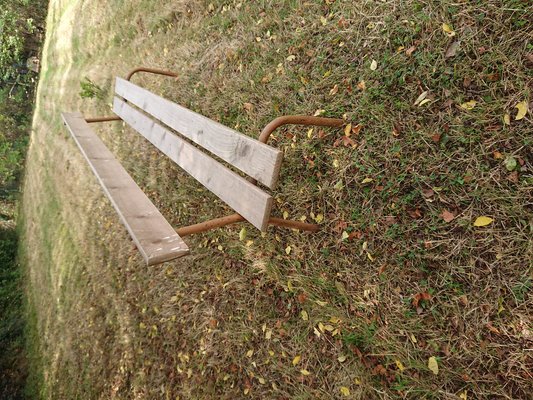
227	321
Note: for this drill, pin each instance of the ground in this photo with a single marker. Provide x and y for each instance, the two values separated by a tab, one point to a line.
405	293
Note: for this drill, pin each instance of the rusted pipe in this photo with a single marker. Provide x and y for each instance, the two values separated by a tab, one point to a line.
297	120
102	119
208	225
234	218
302	226
151	71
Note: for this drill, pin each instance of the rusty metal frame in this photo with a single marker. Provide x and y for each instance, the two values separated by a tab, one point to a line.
263	137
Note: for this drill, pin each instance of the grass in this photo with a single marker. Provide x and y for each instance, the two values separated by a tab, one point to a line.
386	285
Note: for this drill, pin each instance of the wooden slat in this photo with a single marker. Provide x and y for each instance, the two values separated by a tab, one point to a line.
254	158
244	197
155	238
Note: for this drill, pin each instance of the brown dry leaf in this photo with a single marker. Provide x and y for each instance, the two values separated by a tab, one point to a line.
248	106
419	297
361	86
447	216
452	49
427	193
436	137
410	50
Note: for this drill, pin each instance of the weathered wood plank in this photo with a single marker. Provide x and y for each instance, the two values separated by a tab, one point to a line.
254	158
245	198
155	238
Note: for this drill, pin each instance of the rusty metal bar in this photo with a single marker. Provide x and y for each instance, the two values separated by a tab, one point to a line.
102	119
151	71
208	225
234	218
298	120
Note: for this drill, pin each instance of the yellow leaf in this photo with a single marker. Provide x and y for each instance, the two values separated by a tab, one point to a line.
305	372
348	130
261	381
321	303
303	218
425	101
374	65
464	395
304	315
289	286
507	119
329	328
292	57
319	112
296	360
334	90
367	180
242	234
285	215
319	218
448	30
323	20
334	320
341	358
246	391
469	105
249	353
400	365
268	334
345	391
310	133
335	163
522	110
321	327
357	381
345	235
370	256
433	365
483	221
288	250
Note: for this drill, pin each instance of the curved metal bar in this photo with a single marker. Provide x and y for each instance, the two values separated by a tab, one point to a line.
298	120
151	71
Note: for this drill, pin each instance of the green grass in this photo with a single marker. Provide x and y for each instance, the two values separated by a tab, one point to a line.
109	327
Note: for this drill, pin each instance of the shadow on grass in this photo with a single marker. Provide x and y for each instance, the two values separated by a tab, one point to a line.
13	365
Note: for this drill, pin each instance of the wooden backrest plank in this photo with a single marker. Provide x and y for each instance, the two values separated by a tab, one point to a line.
245	198
254	158
155	238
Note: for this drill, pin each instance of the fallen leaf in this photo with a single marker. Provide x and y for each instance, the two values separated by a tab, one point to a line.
425	296
296	360
483	221
448	30
425	101
345	391
348	130
421	97
469	105
361	86
447	216
522	110
366	180
374	65
507	119
497	155
305	372
345	235
292	57
433	365
452	49
319	218
510	163
464	395
249	353
341	358
436	137
288	250
304	315
242	234
410	50
399	365
427	193
513	177
248	106
334	90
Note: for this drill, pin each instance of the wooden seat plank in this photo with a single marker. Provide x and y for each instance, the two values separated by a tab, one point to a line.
245	198
254	158
155	238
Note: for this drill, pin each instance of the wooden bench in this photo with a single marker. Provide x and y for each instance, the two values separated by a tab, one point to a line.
175	130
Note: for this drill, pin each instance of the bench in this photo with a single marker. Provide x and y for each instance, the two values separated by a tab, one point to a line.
179	133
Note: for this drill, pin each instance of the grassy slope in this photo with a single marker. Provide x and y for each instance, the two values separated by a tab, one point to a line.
227	321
